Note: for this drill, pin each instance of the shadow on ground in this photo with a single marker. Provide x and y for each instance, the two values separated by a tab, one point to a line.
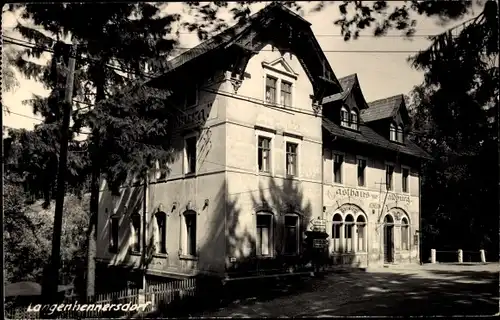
379	293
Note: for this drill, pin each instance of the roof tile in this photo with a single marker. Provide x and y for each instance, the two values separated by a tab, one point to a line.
382	108
367	135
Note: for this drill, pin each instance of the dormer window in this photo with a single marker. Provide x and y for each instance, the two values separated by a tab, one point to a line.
396	133
400	134
344	117
354	120
393	132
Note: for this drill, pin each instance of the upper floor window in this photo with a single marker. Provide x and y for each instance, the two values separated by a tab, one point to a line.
344	117
190	155
338	161
361	172
354	120
393	136
404	176
389	171
264	154
286	93
271	89
291	159
400	135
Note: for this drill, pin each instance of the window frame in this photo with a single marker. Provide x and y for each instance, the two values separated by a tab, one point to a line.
351	227
405	245
162	236
400	133
136	245
269	70
283	81
268	135
345	122
258	241
364	224
187	244
393	132
186	163
297	234
114	244
337	237
403	167
276	88
358	159
341	154
354	125
389	164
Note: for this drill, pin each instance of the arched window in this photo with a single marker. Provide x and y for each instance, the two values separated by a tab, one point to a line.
291	234
361	231
348	234
405	234
161	232
264	234
393	132
400	134
344	117
190	234
336	228
136	231
354	120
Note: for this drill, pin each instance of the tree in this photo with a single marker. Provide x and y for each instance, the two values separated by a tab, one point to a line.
9	80
452	116
28	233
131	37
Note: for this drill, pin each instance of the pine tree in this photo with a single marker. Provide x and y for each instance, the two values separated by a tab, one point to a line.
129	37
453	114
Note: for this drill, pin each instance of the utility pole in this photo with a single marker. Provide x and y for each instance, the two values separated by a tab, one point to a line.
50	286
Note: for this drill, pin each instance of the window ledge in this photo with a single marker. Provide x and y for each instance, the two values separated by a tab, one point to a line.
264	257
262	173
190	175
135	253
290	254
188	257
160	255
291	177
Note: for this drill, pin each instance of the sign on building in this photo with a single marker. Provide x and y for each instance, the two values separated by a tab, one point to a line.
320	243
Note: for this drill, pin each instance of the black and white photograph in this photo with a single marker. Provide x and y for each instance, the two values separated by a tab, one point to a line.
250	159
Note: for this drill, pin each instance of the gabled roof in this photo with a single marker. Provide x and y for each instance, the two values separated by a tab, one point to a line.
348	83
368	136
241	30
382	108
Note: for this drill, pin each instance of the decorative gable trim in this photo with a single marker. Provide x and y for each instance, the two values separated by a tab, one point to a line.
273	66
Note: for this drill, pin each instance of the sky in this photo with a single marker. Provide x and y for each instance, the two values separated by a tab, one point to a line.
381	74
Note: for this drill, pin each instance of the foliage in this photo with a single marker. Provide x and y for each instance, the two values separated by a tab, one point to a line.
356	16
9	80
28	235
453	120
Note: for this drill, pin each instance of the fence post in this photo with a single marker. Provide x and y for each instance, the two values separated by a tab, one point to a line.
433	255
483	256
460	256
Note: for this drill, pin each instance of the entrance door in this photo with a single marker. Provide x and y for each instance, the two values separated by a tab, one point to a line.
388	239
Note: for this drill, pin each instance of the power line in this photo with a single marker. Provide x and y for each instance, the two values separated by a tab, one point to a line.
188	48
332	35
